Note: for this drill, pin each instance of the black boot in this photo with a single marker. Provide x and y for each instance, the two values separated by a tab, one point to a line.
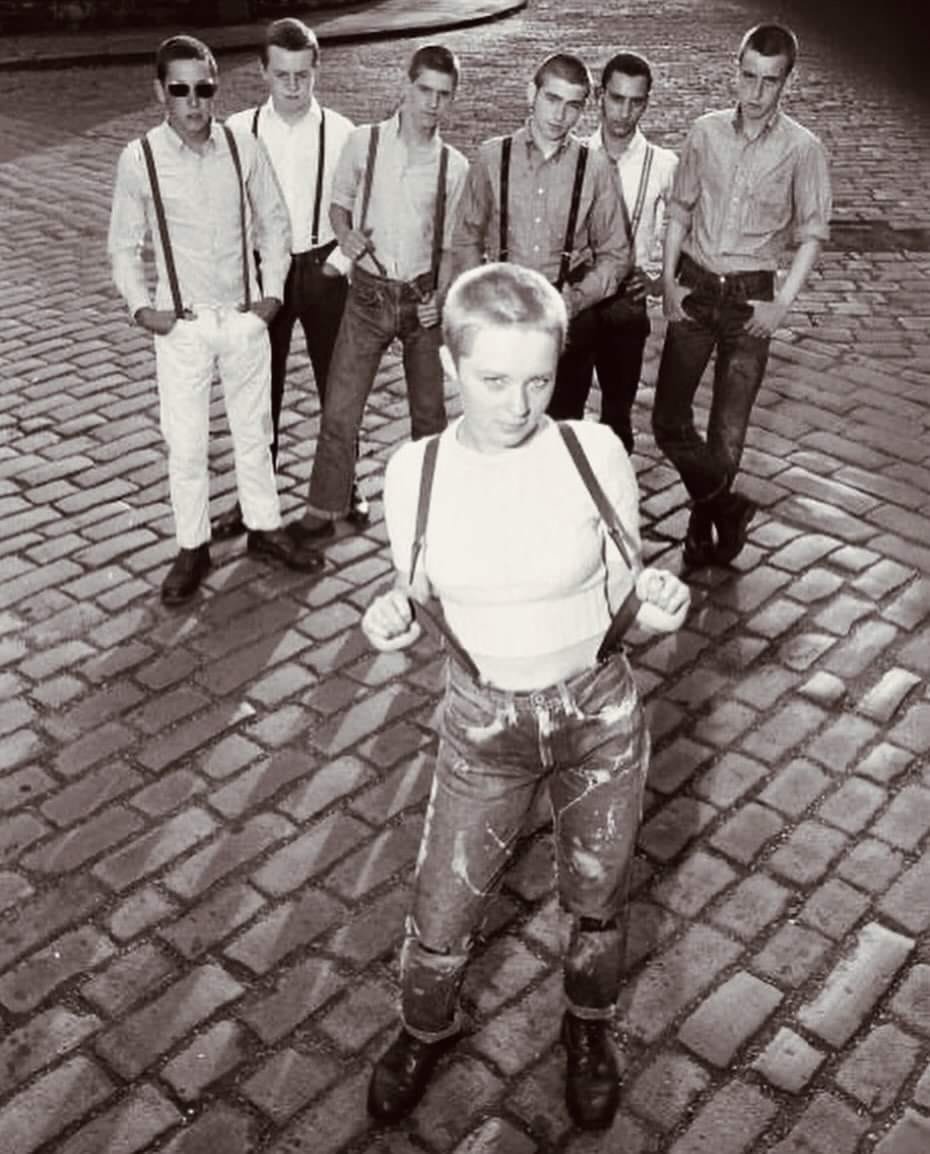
592	1081
699	540
228	524
277	545
184	577
401	1075
732	514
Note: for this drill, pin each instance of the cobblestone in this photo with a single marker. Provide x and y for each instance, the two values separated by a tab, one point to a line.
216	810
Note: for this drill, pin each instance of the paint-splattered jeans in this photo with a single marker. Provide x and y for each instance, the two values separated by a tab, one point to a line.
586	741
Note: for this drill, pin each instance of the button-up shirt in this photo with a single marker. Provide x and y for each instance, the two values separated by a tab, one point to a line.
539	201
745	200
202	208
402	204
294	151
630	167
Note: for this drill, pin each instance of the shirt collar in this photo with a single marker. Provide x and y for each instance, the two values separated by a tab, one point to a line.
532	146
392	125
636	146
313	114
175	141
737	121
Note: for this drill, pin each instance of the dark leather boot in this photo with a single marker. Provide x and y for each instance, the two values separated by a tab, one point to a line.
401	1075
592	1082
359	513
228	524
183	578
699	540
277	545
732	515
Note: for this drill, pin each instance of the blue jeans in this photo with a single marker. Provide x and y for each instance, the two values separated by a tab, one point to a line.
377	310
585	741
717	309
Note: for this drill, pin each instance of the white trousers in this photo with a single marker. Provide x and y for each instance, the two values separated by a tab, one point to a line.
236	345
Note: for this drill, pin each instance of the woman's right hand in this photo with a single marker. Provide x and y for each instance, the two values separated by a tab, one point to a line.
665	600
389	623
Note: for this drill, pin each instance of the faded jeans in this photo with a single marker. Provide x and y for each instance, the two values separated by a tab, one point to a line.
377	310
585	741
717	309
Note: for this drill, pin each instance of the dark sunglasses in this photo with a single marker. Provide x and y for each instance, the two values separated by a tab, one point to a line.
204	89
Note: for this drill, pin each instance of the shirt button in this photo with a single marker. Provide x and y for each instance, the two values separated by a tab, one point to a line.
541	191
537	220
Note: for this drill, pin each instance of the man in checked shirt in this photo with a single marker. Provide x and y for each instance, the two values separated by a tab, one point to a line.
544	200
751	180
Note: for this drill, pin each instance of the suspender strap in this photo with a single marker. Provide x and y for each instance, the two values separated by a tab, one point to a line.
439	218
163	229
369	173
320	165
237	163
503	249
255	122
631	226
626	614
569	246
434	623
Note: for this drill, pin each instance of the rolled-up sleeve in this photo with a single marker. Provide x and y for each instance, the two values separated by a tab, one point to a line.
128	227
473	218
272	222
349	169
686	187
813	196
458	175
607	238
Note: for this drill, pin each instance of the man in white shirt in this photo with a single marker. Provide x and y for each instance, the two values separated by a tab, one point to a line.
394	198
619	326
304	141
208	198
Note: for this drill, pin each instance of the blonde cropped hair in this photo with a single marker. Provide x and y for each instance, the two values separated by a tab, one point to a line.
501	295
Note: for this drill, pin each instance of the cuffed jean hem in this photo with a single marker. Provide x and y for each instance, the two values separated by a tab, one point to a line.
451	1031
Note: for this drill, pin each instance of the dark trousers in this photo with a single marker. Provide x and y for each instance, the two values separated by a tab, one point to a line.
378	311
316	299
718	308
609	337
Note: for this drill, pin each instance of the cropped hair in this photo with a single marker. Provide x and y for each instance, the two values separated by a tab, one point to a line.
629	64
565	66
182	48
435	58
771	40
504	295
291	34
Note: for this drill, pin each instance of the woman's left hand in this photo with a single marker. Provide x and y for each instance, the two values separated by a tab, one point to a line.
665	600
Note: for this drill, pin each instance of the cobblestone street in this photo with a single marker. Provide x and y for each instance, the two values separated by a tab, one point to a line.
209	817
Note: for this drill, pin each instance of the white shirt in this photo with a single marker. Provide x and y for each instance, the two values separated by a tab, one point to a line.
294	152
630	167
201	196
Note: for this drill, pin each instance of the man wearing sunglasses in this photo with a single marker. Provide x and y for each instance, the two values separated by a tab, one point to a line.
304	141
208	197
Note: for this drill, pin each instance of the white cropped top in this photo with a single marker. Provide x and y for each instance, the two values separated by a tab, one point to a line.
515	549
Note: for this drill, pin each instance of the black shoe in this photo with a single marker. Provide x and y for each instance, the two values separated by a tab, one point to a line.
401	1074
592	1081
301	535
277	545
184	577
699	540
732	518
228	524
359	513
